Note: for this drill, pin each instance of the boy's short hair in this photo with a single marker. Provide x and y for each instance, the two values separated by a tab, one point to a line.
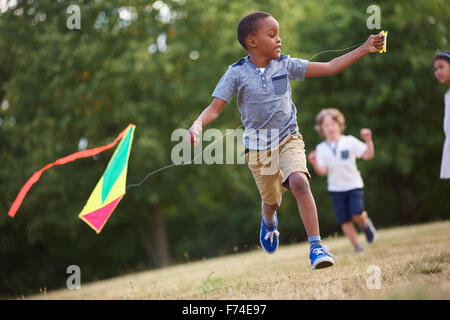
443	55
335	114
249	26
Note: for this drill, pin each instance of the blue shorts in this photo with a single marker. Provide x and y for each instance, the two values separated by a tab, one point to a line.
347	204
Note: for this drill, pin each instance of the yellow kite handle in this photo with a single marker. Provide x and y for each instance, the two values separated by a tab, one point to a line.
385	34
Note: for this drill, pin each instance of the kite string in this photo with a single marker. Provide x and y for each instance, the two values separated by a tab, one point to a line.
181	164
335	50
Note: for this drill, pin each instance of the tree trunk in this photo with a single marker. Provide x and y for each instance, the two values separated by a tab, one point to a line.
408	201
154	238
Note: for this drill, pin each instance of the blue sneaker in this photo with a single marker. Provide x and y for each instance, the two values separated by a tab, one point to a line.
320	257
370	231
268	237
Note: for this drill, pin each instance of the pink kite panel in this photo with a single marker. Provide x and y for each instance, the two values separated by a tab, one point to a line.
98	218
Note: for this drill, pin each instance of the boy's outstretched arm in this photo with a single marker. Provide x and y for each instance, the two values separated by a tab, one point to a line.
366	135
323	69
320	170
208	115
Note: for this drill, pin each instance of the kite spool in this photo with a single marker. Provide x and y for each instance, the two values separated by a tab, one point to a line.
385	34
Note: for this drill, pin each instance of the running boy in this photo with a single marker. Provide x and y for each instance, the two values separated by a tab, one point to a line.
336	158
261	82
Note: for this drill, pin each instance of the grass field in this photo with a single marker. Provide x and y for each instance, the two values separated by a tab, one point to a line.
413	262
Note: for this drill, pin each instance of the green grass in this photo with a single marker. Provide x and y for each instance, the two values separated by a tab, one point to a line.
413	263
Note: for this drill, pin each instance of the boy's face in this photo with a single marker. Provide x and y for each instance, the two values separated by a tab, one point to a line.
330	128
442	70
267	40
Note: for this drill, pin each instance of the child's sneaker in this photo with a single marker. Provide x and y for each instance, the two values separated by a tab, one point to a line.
370	231
358	248
320	257
268	237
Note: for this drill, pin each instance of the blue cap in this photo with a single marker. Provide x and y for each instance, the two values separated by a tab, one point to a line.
443	54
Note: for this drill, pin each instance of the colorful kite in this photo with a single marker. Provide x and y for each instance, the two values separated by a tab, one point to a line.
111	187
109	190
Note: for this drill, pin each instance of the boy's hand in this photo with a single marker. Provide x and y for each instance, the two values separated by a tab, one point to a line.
312	158
194	132
366	134
374	43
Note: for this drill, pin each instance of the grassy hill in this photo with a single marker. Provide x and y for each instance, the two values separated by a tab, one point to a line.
413	262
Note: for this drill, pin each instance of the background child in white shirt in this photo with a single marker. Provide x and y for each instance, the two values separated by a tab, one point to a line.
336	157
441	66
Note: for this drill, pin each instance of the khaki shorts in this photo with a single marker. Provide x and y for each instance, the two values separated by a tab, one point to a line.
271	171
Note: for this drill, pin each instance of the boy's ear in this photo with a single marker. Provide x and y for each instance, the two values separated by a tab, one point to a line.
251	42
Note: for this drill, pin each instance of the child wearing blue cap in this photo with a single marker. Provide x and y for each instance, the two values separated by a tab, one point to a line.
441	65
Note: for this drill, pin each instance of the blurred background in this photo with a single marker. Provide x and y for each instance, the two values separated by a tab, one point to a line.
155	64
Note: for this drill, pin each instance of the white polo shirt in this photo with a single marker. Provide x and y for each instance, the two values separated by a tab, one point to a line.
340	161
